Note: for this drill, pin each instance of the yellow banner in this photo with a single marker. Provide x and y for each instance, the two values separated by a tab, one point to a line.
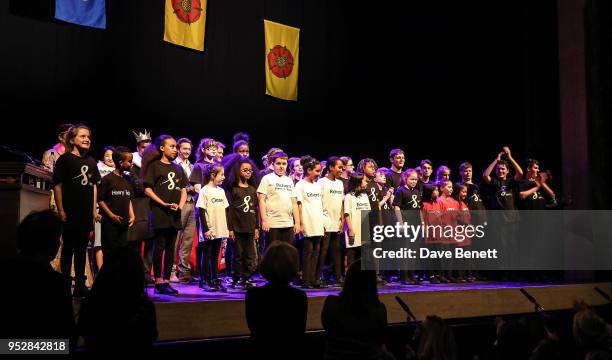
282	54
185	23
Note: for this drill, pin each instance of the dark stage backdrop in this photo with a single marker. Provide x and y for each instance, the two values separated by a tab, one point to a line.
598	20
450	82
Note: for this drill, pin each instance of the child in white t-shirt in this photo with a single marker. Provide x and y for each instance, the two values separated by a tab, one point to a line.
355	202
277	203
212	208
312	219
332	196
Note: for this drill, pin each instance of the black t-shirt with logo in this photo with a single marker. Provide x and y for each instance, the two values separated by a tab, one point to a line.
503	194
117	192
77	177
387	205
476	204
503	197
535	201
167	181
243	216
375	194
474	197
394	179
407	199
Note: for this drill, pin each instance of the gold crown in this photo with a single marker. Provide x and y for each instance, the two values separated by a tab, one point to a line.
141	137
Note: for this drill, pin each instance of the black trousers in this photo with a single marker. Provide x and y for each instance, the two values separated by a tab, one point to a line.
74	245
352	254
229	255
113	236
243	250
261	242
312	250
331	241
209	260
163	252
280	234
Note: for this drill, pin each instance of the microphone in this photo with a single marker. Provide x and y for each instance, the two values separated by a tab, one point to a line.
531	299
406	308
603	294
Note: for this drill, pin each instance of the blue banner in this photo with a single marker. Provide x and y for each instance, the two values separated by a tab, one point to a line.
82	12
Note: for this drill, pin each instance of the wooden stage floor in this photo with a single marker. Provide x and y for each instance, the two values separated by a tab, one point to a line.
195	314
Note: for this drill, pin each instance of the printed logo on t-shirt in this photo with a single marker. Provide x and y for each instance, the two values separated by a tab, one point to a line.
84	175
336	192
373	194
475	197
313	195
503	190
171	182
215	200
120	193
362	206
413	201
279	186
246	204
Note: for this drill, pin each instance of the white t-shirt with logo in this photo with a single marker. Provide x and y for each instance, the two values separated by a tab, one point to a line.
332	192
313	219
213	200
279	193
354	206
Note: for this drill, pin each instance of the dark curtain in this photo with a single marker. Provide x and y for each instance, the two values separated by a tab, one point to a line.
598	44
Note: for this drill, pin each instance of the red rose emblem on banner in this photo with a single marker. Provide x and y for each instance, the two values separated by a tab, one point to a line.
188	11
280	61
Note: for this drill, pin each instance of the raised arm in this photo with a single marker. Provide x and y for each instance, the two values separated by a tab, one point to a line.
486	175
518	172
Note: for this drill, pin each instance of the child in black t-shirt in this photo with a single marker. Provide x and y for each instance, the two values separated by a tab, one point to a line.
474	200
243	218
407	199
348	168
115	199
475	203
503	189
533	187
368	168
376	197
426	170
165	183
385	189
206	154
75	180
394	174
502	192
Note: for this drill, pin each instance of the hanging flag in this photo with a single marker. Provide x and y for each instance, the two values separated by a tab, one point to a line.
185	22
282	51
82	12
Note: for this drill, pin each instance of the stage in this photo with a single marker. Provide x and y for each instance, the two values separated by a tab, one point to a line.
195	314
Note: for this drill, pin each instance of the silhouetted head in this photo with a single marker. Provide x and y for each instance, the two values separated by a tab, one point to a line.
38	235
